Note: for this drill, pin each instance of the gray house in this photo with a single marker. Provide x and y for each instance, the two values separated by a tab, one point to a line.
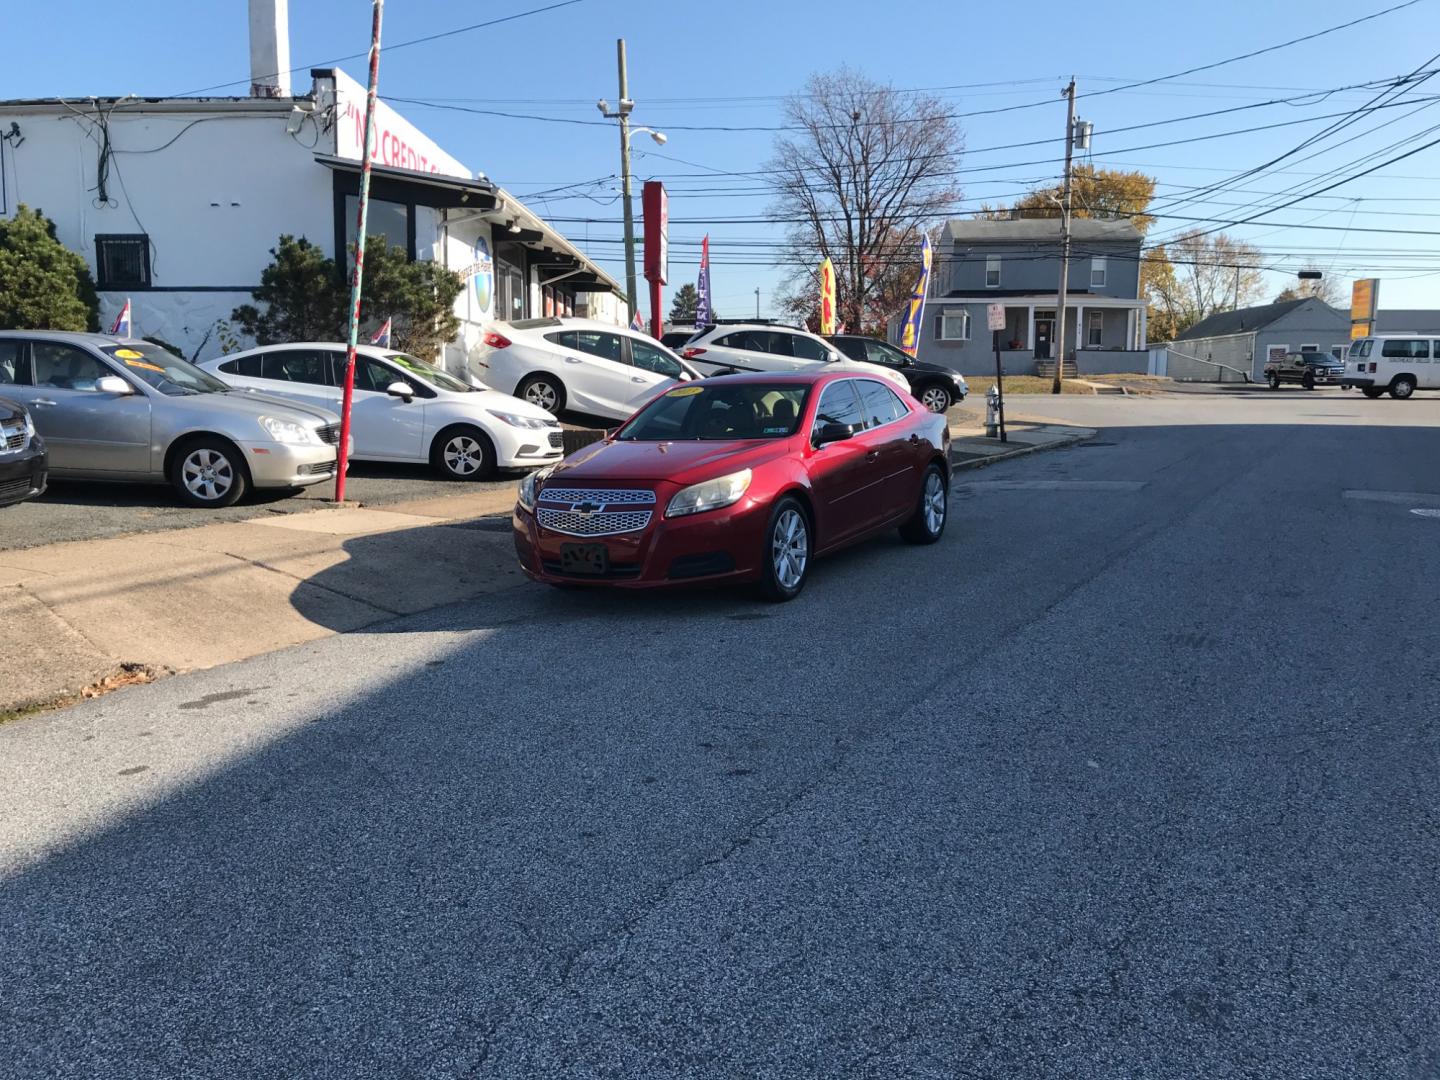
1016	263
1224	346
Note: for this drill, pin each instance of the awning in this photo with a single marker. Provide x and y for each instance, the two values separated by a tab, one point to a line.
408	185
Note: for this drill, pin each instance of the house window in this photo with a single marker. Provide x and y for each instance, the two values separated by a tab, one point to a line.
1094	328
1337	352
1277	352
1097	273
1310	348
953	326
992	272
122	261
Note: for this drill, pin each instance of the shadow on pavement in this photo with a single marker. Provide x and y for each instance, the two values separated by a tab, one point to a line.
591	834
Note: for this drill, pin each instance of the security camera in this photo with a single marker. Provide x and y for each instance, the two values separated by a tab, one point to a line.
603	106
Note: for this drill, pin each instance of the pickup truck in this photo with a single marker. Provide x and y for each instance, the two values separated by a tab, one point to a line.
1309	369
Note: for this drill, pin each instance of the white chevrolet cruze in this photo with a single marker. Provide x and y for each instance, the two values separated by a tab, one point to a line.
403	408
768	347
591	367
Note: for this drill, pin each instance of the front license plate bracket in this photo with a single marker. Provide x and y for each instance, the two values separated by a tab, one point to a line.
584	560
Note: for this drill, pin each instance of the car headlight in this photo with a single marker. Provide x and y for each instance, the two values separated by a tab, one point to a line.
709	495
286	431
529	484
29	426
519	421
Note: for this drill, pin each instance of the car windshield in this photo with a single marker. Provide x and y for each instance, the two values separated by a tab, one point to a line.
718	411
163	370
428	372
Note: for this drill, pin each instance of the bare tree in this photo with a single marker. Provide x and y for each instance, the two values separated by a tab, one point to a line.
1196	275
866	170
1321	288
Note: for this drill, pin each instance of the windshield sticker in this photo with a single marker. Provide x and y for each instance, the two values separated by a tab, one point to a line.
686	391
129	354
140	363
776	430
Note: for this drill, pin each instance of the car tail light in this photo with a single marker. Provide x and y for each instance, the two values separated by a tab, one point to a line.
1372	368
496	341
690	354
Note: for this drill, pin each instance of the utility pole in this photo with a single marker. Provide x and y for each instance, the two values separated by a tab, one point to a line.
757	303
1064	239
623	110
1236	306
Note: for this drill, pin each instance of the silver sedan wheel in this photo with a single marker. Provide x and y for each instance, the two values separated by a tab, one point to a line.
543	394
463	455
790	548
935	399
207	474
933	503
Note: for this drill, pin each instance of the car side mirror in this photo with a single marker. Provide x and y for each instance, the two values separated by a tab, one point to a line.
829	433
113	384
403	390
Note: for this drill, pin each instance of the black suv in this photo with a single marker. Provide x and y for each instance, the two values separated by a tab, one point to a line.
1309	369
934	386
23	459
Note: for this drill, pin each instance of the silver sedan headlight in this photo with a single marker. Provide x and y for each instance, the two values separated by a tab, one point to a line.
709	495
287	431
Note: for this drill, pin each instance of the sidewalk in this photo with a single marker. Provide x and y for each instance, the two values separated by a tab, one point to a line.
134	607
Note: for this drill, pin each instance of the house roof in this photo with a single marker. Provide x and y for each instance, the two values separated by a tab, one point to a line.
1413	320
967	230
1244	320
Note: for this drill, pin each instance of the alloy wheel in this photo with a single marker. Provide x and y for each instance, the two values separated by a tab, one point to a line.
207	474
543	394
463	455
790	548
935	399
933	502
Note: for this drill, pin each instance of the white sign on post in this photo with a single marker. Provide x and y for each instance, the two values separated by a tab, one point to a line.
995	316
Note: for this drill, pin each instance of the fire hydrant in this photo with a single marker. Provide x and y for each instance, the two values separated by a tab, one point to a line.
992	412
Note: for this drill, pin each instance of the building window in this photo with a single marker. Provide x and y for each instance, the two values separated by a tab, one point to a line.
1097	273
1277	352
122	261
1094	328
992	272
1310	348
393	222
953	326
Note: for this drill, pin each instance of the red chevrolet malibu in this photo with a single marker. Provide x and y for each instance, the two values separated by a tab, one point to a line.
738	478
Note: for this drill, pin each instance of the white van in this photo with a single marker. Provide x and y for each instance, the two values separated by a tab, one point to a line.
1399	363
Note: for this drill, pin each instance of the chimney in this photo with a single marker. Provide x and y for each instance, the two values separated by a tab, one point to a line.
270	48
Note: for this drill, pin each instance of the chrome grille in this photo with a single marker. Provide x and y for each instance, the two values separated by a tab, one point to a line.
603	496
330	433
576	524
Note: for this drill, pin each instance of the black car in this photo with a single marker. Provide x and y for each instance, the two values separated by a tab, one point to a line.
23	460
934	385
1309	369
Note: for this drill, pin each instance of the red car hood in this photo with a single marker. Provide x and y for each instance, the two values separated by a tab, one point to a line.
680	462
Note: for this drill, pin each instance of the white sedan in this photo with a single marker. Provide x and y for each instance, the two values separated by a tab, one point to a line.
772	347
403	408
590	367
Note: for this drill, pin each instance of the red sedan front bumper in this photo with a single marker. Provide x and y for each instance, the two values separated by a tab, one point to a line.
716	545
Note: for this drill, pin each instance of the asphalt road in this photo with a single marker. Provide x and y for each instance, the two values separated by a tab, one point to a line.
1133	775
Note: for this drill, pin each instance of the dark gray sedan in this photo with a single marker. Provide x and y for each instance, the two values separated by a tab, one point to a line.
114	409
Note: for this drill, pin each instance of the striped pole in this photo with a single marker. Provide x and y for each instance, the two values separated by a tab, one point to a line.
358	273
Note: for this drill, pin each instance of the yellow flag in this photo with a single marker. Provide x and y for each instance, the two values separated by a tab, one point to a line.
827	298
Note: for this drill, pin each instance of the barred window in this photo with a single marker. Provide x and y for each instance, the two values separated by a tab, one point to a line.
122	261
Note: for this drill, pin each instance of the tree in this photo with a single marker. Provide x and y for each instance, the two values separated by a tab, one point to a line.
866	170
1198	274
682	308
306	297
43	284
1095	193
1321	288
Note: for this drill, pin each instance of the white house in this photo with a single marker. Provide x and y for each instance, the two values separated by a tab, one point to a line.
176	202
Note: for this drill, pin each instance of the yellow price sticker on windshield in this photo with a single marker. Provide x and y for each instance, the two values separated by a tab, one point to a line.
129	354
686	391
143	365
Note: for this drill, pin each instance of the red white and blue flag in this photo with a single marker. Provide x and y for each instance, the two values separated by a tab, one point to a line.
381	337
122	322
637	323
704	310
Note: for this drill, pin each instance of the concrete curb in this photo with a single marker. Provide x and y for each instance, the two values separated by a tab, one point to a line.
1060	441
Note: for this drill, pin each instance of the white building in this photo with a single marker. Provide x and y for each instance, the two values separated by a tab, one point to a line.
176	202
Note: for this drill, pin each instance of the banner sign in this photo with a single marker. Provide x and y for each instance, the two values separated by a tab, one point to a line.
915	307
1364	302
827	298
656	207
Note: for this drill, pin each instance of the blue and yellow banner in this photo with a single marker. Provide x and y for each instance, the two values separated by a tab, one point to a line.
915	308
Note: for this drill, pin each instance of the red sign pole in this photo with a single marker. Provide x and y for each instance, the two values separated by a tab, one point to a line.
656	207
358	273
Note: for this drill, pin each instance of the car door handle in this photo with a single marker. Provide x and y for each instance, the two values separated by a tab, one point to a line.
572	359
42	401
873	455
914	438
637	378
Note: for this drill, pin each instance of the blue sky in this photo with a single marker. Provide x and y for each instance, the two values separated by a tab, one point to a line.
732	65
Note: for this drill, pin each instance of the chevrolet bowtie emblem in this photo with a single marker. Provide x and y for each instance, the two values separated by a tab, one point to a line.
585	509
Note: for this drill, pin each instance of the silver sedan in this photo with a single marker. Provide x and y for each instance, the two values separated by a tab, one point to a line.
115	409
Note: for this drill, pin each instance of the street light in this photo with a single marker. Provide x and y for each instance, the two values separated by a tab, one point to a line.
622	113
